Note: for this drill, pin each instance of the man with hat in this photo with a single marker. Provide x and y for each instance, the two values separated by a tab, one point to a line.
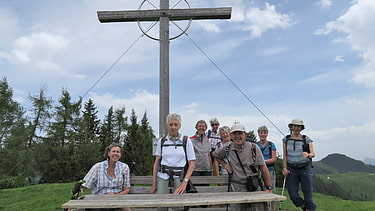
243	157
298	151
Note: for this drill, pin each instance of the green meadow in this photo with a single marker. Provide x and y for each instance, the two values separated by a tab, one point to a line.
51	196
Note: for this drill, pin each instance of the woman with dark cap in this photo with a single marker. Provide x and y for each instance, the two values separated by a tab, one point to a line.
298	151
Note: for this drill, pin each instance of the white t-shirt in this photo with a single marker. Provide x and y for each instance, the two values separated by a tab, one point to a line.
173	155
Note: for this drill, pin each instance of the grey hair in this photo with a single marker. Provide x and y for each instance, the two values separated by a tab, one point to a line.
263	129
173	116
214	120
109	148
200	122
224	128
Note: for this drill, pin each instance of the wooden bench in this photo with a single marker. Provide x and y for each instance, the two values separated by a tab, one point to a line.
139	199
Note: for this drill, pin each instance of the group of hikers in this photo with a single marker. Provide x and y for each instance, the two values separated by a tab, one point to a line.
220	150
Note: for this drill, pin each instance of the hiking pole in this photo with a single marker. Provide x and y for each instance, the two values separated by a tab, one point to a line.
282	193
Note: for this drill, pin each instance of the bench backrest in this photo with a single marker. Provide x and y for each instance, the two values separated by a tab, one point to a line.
142	184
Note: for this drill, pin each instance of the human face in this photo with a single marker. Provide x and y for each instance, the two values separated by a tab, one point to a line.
225	136
238	137
114	154
296	129
201	128
215	126
262	135
173	126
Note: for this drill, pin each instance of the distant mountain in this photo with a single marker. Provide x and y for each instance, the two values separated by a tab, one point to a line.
339	163
370	161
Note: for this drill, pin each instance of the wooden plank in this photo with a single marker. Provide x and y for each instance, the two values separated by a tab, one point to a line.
216	208
172	14
171	200
201	189
144	180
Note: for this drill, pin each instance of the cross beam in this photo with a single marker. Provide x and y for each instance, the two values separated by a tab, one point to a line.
164	15
172	14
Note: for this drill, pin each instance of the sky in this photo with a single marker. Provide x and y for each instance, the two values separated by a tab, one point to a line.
271	62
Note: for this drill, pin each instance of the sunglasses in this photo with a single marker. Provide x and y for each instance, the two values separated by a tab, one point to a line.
214	124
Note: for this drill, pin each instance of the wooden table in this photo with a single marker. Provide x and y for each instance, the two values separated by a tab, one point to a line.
171	200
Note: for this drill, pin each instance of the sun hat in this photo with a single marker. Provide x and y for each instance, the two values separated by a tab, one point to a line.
297	122
237	127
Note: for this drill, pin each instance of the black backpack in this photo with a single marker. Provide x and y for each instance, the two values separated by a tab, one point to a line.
305	146
270	150
184	141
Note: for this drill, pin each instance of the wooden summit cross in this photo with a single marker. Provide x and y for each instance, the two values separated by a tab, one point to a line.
164	15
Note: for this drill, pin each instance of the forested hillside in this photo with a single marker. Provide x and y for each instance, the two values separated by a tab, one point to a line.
338	163
344	177
58	141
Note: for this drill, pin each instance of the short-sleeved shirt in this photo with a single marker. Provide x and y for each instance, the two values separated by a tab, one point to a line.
267	154
202	148
294	150
214	138
174	155
245	154
101	183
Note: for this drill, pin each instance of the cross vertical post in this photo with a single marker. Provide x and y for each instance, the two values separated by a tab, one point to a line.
164	15
164	69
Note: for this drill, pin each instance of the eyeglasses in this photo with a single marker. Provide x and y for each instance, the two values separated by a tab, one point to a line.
214	124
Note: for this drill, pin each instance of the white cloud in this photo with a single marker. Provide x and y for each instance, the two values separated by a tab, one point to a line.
259	21
39	51
209	26
355	23
342	140
273	51
38	48
339	59
141	101
9	23
324	3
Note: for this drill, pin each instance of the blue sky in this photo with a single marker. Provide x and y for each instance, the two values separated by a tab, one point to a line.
307	59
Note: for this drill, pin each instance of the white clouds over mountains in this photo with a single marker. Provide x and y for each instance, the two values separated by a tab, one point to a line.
355	24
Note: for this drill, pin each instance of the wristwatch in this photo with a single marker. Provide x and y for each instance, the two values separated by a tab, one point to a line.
186	180
269	187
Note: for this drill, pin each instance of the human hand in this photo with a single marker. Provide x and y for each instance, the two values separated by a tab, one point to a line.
228	168
181	188
286	172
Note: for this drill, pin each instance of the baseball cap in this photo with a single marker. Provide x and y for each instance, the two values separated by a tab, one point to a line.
237	127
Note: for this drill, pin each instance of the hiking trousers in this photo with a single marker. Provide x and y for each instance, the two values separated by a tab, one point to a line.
304	176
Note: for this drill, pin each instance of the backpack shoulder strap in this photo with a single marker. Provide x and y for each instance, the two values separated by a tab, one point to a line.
253	151
227	145
254	157
161	148
270	147
184	142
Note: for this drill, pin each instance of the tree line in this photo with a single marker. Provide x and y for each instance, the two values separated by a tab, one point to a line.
59	141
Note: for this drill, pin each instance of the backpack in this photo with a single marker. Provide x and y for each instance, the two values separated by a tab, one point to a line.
270	150
184	141
254	155
254	169
305	146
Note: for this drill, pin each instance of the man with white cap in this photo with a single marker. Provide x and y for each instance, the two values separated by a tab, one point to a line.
298	151
243	157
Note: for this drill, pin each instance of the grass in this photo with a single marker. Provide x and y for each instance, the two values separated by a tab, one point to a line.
51	196
354	183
